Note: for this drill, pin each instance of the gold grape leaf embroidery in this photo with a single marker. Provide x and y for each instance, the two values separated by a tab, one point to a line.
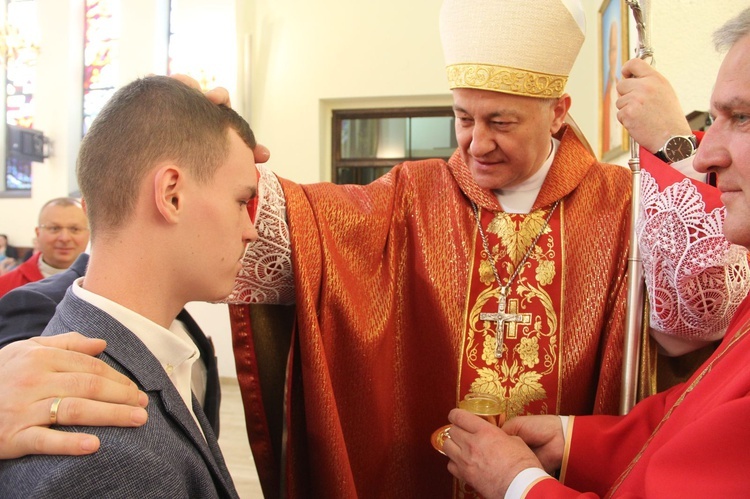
527	389
487	382
518	241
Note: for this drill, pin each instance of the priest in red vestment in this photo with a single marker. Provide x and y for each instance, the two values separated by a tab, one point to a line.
689	441
501	271
62	235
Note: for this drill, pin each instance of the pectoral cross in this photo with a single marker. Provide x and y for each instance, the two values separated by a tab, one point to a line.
500	318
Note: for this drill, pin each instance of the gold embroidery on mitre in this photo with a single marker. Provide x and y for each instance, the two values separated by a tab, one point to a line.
507	80
517	377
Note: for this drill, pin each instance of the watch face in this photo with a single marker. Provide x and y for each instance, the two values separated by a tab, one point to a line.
678	148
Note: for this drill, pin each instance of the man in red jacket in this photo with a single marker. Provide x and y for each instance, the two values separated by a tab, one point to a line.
62	235
690	441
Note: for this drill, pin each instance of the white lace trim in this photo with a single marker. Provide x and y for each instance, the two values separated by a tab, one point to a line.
267	275
696	278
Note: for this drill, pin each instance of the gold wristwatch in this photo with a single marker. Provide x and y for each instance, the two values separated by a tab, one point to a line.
677	148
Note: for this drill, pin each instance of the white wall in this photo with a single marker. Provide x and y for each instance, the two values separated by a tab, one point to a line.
312	57
296	61
309	56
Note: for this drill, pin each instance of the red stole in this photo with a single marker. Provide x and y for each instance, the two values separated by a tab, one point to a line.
527	375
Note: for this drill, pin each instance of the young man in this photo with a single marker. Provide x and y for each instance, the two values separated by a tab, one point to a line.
62	235
166	177
690	441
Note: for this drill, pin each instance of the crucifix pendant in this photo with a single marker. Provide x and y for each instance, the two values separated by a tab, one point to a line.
500	318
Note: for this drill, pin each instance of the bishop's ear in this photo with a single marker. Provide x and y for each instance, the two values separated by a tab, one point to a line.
558	110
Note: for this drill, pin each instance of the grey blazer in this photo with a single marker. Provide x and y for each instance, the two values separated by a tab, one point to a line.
26	310
166	457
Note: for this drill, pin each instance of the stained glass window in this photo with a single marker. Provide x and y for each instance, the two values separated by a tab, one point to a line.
100	55
20	52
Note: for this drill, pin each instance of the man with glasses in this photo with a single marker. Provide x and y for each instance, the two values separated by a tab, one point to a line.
62	235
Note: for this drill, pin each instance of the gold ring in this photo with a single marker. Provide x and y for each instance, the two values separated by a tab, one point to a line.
53	410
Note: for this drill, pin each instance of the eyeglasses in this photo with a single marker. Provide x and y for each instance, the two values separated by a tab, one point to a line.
56	229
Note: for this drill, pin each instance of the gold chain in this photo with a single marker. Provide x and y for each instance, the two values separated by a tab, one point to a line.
502	316
485	244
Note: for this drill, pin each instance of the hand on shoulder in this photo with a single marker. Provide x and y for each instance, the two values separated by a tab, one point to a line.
35	373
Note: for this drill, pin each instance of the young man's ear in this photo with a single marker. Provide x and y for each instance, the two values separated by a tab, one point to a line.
168	182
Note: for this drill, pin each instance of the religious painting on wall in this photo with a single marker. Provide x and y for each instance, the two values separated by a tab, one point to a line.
613	51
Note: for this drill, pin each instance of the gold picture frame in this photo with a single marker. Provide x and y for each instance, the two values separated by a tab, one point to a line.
613	52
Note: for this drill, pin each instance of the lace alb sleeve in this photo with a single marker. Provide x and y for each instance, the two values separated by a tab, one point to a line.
267	275
695	278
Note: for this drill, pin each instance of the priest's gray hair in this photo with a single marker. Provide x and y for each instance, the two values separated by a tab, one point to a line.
734	29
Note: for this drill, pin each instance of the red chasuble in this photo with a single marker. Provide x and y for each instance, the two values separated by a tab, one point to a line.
391	279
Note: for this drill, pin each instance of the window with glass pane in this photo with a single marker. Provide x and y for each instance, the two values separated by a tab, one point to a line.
368	142
20	77
100	55
188	53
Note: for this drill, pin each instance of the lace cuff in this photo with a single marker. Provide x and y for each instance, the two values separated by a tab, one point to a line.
267	275
695	278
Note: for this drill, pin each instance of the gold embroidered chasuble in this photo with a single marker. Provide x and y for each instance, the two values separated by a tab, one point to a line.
390	280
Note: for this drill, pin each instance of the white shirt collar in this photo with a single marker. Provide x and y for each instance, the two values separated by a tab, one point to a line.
172	347
46	269
520	198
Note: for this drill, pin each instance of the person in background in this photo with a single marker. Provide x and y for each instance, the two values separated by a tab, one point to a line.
6	250
689	441
62	235
8	255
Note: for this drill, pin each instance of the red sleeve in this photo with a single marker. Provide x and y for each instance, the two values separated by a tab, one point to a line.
601	447
703	456
552	489
708	458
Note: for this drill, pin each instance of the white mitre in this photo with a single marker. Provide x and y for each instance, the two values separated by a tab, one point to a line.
522	47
